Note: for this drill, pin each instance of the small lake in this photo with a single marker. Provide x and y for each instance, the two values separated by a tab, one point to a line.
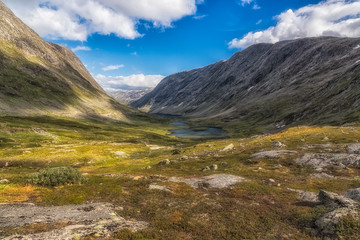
197	132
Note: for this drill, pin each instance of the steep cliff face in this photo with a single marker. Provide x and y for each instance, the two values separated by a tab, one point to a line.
313	80
38	77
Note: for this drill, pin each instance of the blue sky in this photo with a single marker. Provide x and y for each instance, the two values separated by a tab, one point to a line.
176	35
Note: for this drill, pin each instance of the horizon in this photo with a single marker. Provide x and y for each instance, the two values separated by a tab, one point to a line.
149	43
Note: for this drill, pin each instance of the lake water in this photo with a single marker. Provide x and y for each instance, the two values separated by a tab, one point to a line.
197	132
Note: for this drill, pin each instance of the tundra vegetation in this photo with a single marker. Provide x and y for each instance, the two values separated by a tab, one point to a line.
119	163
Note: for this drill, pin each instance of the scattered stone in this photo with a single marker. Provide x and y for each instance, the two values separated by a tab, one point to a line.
278	144
121	154
353	148
306	196
158	187
214	167
175	151
273	154
224	164
147	167
271	180
164	162
84	220
212	181
353	194
183	158
325	139
321	175
137	178
4	181
155	147
205	169
228	147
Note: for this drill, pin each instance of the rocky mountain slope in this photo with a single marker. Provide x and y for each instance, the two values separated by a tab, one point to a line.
313	80
129	96
42	78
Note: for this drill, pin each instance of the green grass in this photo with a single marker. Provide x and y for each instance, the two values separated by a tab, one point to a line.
113	156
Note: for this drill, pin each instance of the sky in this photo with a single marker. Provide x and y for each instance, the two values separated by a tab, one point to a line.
131	44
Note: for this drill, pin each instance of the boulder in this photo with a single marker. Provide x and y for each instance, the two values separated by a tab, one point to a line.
164	162
214	167
353	148
278	144
353	194
4	181
228	147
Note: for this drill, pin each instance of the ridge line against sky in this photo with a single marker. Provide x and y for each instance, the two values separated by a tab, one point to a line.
133	44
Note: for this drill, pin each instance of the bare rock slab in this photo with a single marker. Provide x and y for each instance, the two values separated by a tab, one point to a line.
273	154
321	160
97	219
211	181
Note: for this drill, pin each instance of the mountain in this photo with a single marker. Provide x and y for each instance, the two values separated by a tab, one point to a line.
43	78
128	96
312	80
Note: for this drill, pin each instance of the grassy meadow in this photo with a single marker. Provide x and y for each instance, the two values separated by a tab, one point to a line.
120	160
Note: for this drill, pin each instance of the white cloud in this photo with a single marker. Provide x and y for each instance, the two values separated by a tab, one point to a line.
136	81
244	2
249	2
81	48
198	17
112	67
328	18
77	19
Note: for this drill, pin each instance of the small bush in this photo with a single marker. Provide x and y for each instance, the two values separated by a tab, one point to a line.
57	176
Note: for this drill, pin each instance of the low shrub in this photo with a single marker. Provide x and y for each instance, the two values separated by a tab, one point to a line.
52	177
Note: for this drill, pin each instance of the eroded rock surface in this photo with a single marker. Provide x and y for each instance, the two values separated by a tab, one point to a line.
322	160
353	194
212	181
341	207
93	219
273	154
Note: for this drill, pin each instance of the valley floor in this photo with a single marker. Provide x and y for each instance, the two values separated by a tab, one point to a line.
141	183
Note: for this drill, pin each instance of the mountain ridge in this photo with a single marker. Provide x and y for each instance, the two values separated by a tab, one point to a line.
310	80
43	78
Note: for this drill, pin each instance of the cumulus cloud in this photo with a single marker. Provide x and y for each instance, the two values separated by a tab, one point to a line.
136	81
81	48
328	18
112	67
77	19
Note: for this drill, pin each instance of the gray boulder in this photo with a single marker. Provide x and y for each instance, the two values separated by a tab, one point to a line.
353	194
165	162
353	148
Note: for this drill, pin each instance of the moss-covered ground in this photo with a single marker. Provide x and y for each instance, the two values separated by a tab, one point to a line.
115	158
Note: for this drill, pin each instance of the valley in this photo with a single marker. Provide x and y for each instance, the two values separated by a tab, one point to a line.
165	182
264	145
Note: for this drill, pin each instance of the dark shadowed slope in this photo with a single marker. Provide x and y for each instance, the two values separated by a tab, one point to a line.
311	80
42	78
